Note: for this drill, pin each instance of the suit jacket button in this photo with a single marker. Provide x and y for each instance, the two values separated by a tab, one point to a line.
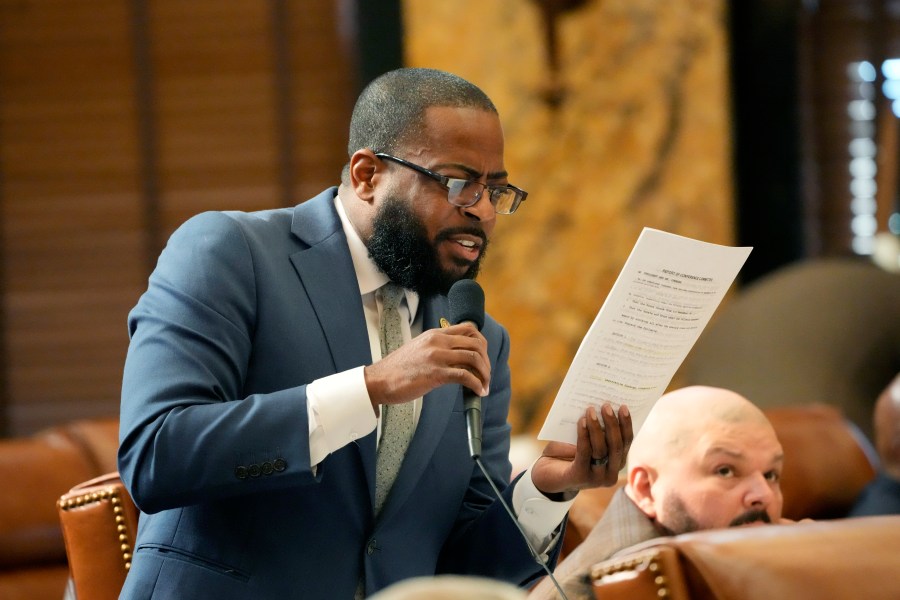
254	470
240	472
279	465
267	468
370	547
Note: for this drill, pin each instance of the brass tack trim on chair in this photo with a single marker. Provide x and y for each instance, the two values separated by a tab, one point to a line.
112	496
650	562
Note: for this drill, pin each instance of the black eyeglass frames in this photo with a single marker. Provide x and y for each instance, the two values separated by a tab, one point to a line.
466	192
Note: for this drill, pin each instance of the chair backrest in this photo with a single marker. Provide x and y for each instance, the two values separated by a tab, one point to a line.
99	523
827	461
842	559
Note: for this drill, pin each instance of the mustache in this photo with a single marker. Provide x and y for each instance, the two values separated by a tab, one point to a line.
446	234
751	516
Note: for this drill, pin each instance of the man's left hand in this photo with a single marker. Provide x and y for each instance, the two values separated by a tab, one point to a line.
595	461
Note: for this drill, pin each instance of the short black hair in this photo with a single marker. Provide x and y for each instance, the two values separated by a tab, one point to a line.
391	109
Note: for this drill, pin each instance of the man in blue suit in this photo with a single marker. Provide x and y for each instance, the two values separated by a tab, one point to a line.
255	381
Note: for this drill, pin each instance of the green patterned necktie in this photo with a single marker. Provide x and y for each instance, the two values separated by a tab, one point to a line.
396	419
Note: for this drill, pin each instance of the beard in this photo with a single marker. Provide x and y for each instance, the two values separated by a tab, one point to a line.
400	247
681	521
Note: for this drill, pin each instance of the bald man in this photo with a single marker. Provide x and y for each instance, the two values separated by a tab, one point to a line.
882	495
705	458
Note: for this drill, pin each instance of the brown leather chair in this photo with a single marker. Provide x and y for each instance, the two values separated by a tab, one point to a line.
827	461
842	559
99	523
38	468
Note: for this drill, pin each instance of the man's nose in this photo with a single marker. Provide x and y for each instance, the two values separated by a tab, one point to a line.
482	210
759	491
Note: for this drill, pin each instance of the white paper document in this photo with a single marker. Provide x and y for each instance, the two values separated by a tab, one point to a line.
665	295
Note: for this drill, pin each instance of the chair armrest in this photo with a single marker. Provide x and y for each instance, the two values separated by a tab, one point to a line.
99	523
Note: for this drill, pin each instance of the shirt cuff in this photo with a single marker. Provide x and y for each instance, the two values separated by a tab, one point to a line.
340	412
538	515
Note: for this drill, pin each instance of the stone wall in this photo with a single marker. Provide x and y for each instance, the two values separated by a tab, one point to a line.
640	137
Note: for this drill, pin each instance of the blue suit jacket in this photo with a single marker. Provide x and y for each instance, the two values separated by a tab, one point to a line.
242	311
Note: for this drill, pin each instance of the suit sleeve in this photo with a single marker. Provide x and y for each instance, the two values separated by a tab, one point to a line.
186	428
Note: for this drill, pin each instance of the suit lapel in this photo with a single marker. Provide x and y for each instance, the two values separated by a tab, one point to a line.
326	273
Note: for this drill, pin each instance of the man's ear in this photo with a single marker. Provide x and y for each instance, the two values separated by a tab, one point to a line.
640	487
363	171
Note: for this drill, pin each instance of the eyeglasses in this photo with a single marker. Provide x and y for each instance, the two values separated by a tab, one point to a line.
466	192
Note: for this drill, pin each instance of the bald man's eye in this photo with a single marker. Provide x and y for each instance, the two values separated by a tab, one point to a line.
725	471
773	476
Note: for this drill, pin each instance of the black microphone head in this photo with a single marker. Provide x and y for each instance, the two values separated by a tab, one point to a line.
466	302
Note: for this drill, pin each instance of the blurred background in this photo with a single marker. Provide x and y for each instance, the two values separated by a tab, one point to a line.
771	123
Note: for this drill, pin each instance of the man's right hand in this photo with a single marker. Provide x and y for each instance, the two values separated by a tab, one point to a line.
455	354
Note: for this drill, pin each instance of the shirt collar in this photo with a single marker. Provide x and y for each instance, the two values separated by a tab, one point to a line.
368	275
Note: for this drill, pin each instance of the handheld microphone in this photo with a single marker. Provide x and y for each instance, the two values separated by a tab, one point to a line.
467	306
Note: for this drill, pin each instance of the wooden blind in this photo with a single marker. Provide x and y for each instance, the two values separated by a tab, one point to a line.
70	209
118	120
837	36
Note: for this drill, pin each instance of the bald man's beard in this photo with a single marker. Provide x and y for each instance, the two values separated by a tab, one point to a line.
681	521
400	247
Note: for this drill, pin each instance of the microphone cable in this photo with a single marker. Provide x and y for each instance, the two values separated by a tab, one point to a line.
534	553
466	300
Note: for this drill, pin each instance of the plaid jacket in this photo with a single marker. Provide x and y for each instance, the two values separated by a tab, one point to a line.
623	525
